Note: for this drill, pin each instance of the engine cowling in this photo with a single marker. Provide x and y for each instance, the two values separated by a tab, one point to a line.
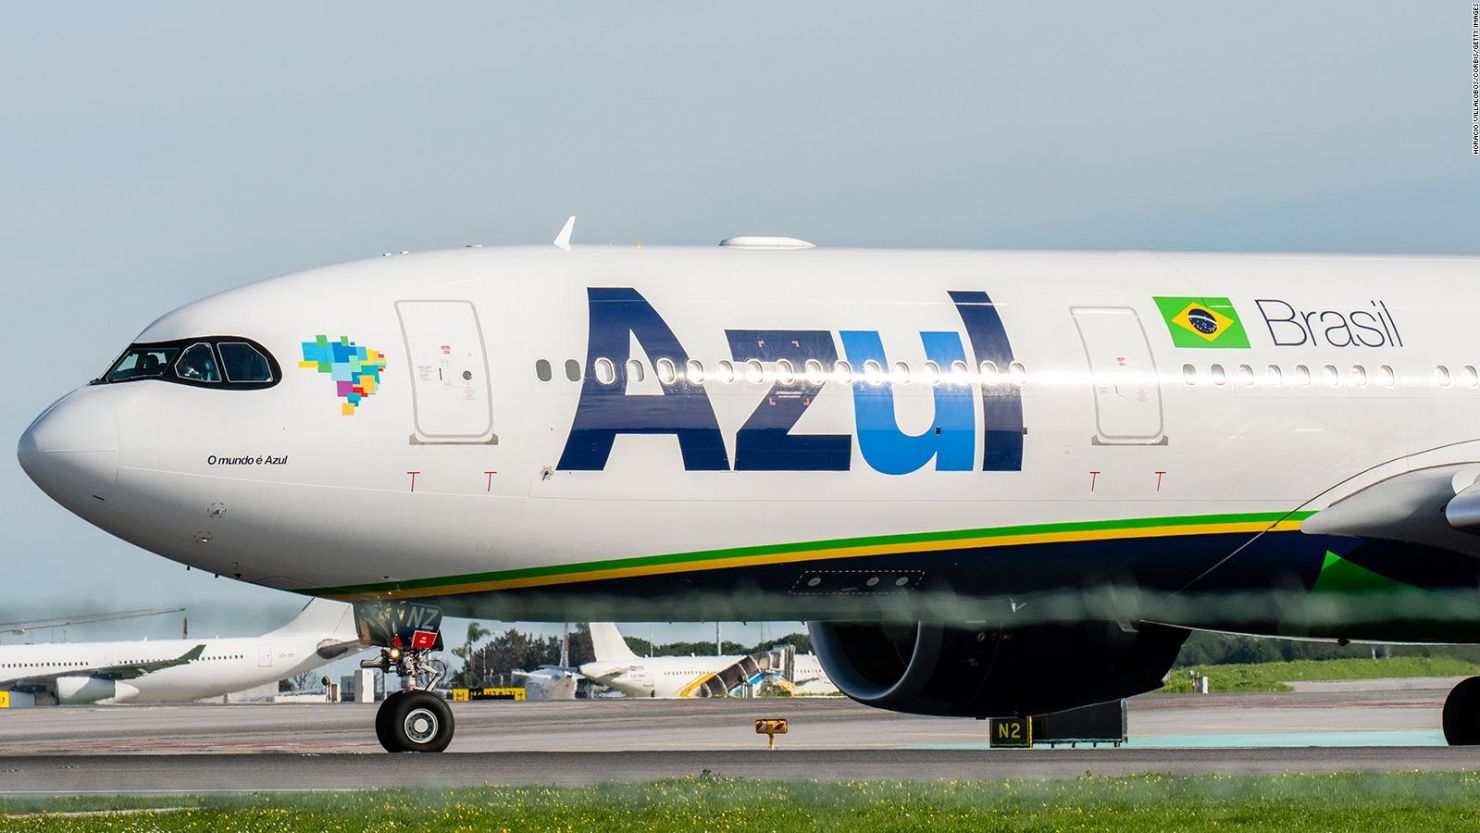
974	671
78	691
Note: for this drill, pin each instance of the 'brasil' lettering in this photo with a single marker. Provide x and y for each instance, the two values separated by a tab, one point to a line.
619	316
1291	327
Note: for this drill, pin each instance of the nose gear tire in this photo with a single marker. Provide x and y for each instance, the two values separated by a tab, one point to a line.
414	721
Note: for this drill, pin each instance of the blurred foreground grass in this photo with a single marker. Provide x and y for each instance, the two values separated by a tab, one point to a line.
1272	676
1163	804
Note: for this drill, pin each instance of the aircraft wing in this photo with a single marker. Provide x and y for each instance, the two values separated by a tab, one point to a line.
127	671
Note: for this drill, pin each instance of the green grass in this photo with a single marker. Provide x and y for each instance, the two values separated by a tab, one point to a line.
1272	676
1156	804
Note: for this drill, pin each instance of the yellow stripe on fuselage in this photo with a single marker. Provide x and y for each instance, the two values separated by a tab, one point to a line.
804	555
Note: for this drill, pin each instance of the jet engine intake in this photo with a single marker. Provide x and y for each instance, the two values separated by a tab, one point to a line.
977	671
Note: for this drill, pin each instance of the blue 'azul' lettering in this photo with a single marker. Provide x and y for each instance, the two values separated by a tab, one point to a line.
891	451
764	442
1002	404
618	315
605	410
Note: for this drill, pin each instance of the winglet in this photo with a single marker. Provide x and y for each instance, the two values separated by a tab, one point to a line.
562	240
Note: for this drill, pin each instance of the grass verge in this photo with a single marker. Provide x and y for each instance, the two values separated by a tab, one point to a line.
1272	676
1159	804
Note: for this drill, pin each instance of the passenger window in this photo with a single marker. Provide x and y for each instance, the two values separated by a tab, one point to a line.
873	373
901	374
695	371
542	370
786	374
606	372
960	373
990	375
754	373
198	364
667	371
634	370
844	372
1276	376
1386	375
1189	374
816	373
1359	375
1330	376
1441	375
726	372
142	363
573	370
1017	374
1218	374
1471	378
243	362
1302	375
1244	374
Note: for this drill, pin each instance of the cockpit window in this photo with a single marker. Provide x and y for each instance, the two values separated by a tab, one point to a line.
142	363
198	364
244	363
208	361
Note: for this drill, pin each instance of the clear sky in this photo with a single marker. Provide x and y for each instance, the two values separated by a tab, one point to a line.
151	154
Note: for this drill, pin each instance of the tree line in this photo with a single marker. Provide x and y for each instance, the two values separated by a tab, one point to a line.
488	656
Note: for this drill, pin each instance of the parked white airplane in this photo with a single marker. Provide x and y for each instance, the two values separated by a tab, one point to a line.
977	474
175	670
662	678
549	683
552	682
809	677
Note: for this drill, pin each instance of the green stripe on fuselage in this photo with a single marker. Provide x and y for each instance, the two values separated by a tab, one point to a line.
699	557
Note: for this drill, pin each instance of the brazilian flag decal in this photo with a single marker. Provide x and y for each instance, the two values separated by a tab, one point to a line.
1202	322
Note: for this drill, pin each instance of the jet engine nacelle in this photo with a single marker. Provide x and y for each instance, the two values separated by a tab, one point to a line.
77	691
961	670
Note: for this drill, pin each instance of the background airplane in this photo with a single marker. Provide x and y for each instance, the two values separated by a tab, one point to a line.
175	670
662	678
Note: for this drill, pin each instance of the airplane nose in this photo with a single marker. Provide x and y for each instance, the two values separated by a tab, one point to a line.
71	450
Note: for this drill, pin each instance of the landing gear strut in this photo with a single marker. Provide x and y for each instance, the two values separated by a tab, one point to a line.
416	719
1462	714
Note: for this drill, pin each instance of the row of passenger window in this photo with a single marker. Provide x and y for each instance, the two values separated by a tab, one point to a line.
1329	375
785	372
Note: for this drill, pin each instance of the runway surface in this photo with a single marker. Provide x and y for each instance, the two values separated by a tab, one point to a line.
199	748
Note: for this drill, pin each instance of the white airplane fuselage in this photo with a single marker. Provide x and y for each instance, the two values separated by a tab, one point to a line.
322	633
977	425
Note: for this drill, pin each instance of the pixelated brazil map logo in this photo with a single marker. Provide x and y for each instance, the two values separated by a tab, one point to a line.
354	368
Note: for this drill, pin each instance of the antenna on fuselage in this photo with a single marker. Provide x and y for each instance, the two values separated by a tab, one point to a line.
562	240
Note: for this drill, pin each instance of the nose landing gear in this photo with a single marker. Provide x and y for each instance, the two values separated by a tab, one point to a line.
416	719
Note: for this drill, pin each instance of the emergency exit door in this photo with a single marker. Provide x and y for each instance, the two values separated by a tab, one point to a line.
1123	373
449	371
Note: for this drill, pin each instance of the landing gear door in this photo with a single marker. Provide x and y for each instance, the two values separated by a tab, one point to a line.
449	372
1123	373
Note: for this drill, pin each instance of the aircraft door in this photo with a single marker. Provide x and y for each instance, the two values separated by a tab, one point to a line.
264	655
449	372
1127	392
